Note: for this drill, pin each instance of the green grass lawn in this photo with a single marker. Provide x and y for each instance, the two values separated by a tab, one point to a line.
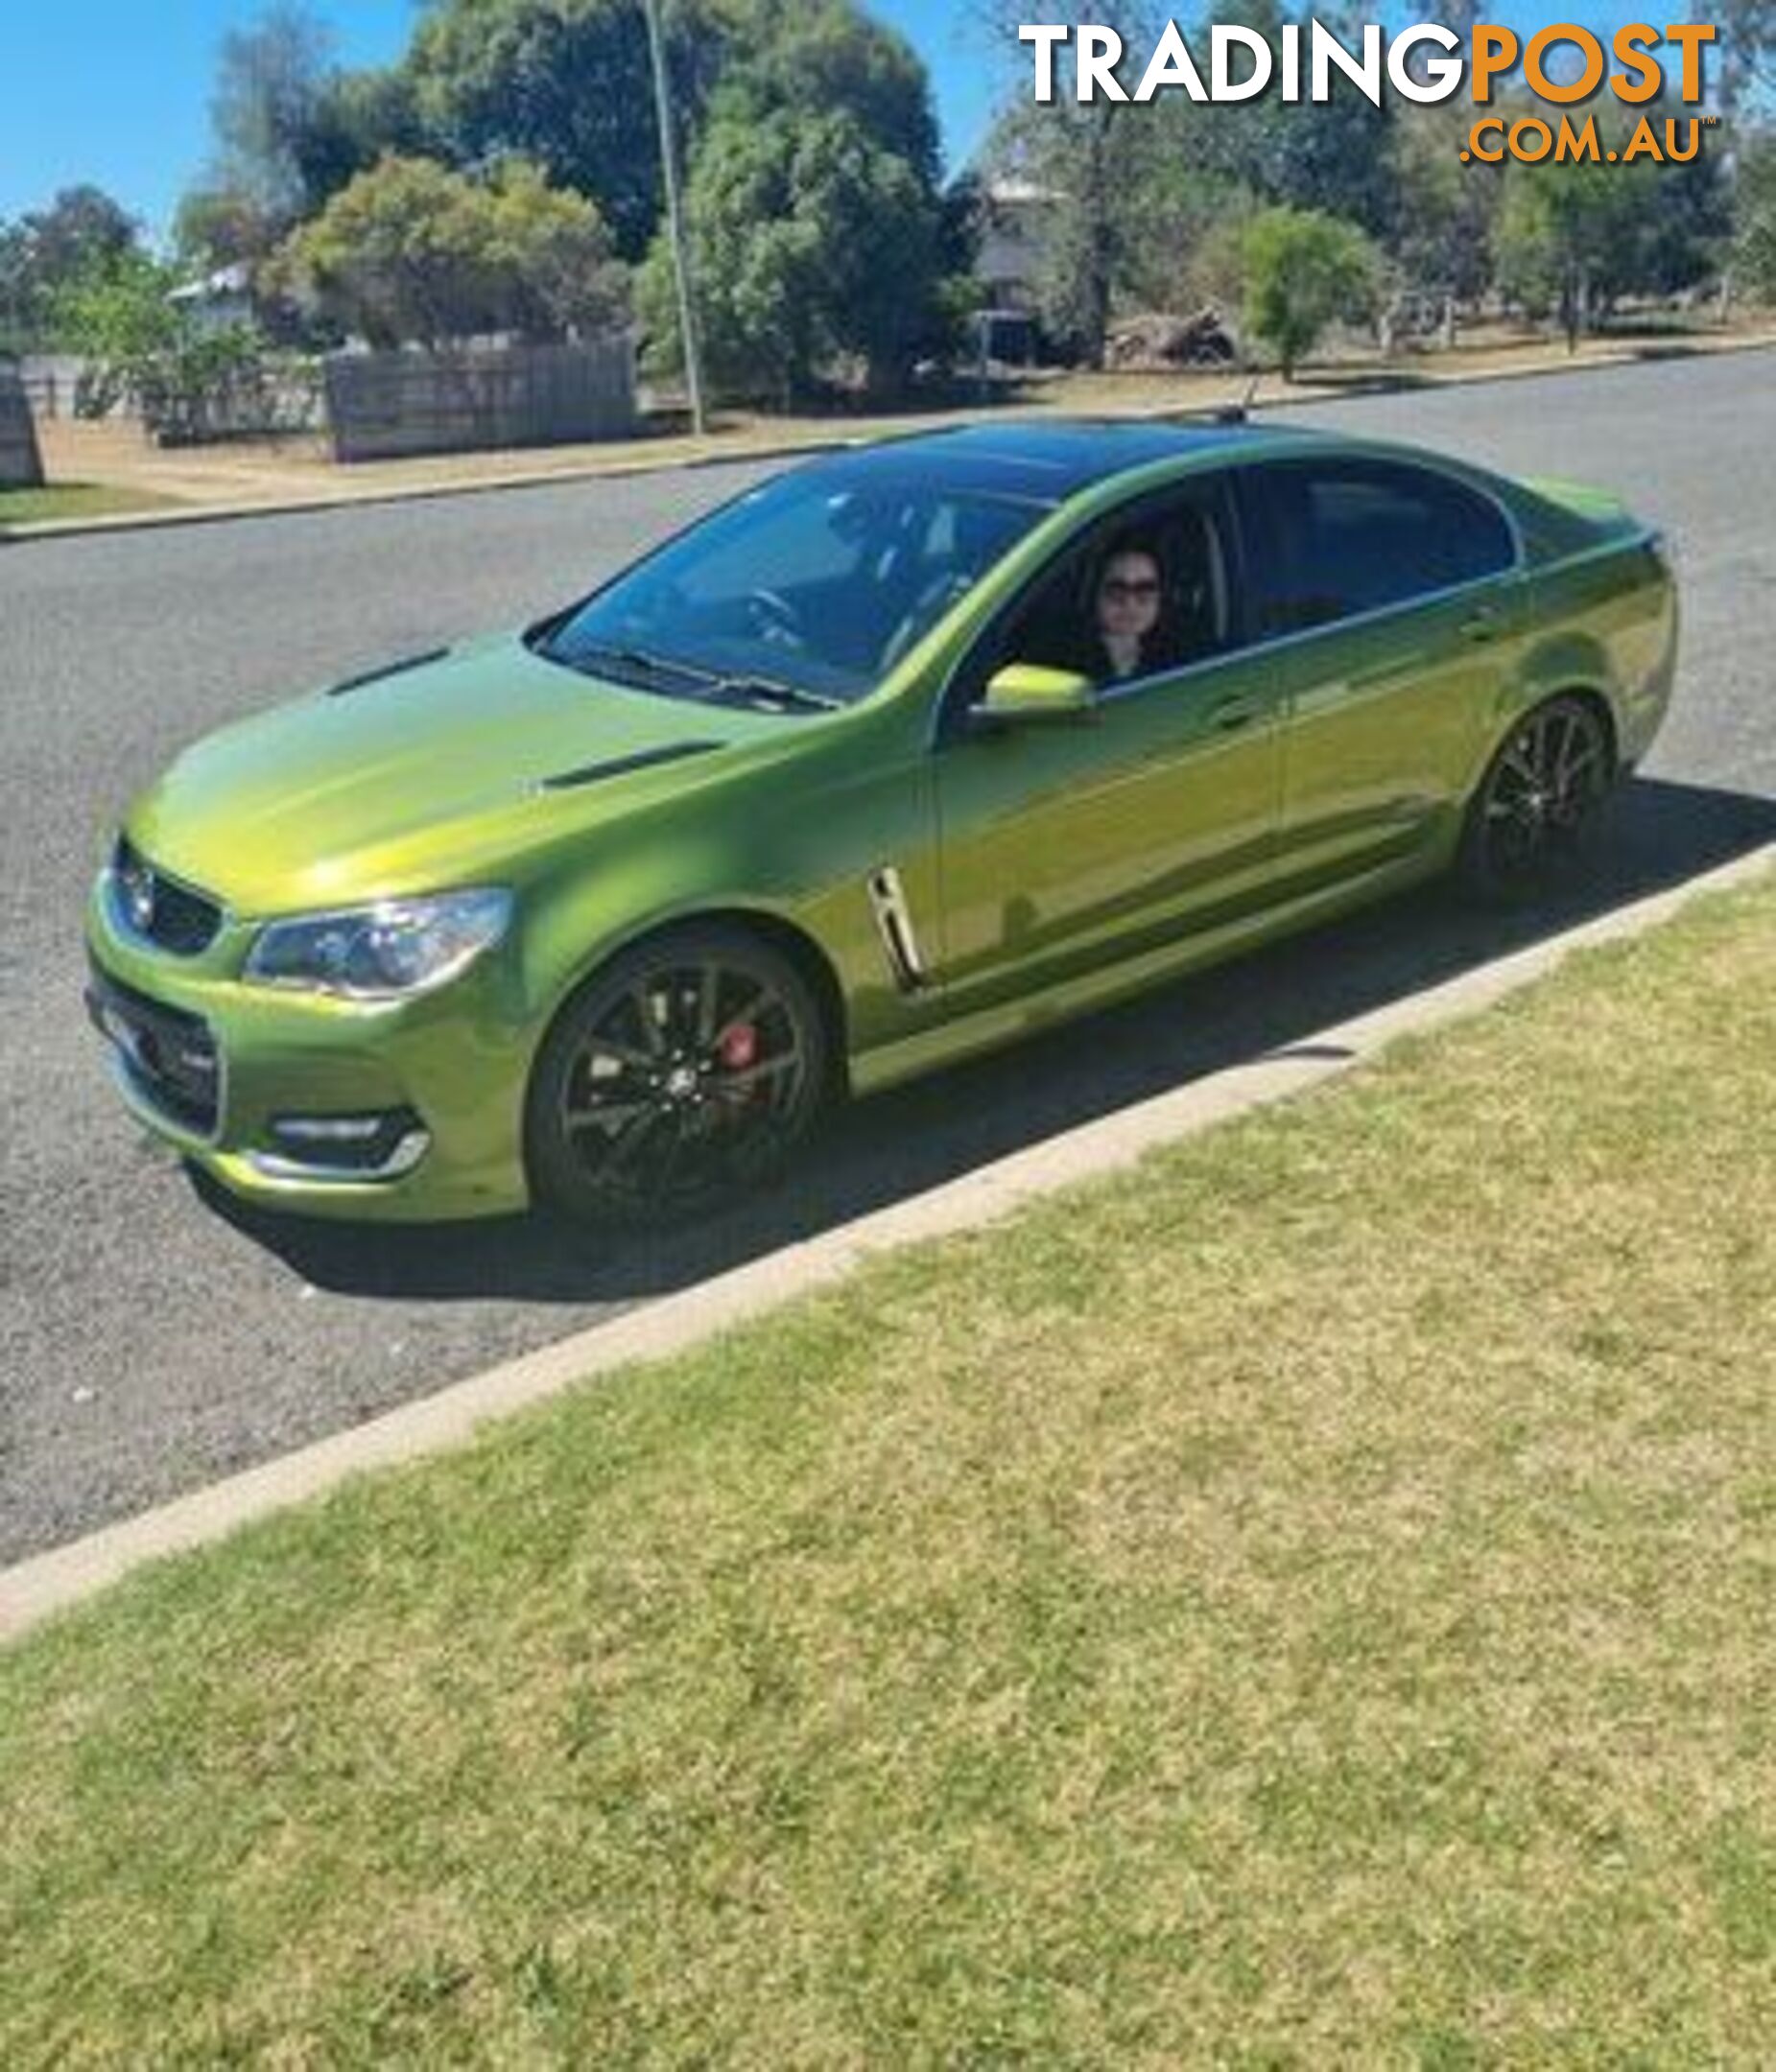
74	500
1308	1601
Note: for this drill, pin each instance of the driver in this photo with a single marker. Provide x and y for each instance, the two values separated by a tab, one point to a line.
1129	602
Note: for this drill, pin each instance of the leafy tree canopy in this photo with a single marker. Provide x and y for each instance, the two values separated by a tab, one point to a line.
82	232
826	55
1576	239
413	252
569	84
271	80
811	243
1304	272
290	130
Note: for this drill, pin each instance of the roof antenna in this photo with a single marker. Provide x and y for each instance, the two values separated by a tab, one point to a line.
1240	413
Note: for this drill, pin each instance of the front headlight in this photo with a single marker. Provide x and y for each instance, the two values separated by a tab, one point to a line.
392	949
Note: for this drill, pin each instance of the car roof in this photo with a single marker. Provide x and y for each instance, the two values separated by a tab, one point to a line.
1048	460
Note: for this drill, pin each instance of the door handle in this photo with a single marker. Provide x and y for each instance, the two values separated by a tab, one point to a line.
1484	624
1233	714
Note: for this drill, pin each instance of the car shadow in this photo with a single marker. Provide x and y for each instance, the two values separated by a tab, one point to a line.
882	1151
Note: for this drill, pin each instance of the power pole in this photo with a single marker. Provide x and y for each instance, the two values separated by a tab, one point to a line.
674	228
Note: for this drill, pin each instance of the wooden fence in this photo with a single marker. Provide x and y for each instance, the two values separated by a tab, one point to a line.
21	464
381	405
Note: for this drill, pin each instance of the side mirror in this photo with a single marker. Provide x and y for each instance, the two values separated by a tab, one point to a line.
1026	692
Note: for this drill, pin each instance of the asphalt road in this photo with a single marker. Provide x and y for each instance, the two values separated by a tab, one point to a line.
153	1338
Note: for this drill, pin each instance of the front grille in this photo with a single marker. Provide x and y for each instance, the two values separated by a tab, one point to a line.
169	1056
173	916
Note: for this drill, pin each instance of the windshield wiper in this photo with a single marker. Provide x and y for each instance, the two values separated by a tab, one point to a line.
706	685
637	661
771	696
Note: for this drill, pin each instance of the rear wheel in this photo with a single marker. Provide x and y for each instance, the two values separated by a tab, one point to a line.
1538	804
681	1076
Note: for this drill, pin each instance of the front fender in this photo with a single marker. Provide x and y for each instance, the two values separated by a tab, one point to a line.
796	847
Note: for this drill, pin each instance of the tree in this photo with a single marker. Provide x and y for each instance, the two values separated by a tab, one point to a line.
816	231
216	226
1574	240
185	379
809	244
413	252
1755	243
81	227
1093	168
1443	238
18	299
1333	155
1564	233
1744	51
360	118
269	83
83	230
1137	198
1304	271
550	255
824	55
567	84
1745	58
1084	165
290	130
118	310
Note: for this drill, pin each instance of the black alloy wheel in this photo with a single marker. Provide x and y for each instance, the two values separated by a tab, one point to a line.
1538	802
681	1077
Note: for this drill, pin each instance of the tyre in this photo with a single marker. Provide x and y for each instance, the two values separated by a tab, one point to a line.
1538	806
681	1077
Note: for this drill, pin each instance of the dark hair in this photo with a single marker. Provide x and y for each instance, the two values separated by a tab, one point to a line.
1133	543
1161	643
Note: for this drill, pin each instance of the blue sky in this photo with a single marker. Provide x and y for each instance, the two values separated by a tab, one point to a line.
117	91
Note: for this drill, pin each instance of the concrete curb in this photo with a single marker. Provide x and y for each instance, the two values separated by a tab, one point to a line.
48	1583
59	529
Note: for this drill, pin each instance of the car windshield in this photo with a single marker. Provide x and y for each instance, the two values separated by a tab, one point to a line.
798	596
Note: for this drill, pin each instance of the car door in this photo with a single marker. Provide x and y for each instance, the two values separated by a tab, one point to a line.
1067	846
1386	597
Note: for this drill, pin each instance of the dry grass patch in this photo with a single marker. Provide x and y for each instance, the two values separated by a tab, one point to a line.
1308	1601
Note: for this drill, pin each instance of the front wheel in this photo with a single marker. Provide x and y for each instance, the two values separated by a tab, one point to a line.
681	1076
1539	801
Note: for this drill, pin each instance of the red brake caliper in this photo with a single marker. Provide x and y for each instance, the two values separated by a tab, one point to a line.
739	1051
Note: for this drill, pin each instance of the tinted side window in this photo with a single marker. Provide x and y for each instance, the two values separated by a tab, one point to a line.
1183	542
1329	539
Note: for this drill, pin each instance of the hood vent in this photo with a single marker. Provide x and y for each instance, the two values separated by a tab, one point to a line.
620	765
384	671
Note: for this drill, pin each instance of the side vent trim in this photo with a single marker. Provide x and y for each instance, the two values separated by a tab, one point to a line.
386	670
619	765
888	900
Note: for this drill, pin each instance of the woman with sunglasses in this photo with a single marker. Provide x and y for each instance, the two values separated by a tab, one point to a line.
1130	604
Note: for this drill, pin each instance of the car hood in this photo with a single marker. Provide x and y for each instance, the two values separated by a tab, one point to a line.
369	786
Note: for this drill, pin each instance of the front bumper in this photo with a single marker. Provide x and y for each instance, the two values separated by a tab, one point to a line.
219	1070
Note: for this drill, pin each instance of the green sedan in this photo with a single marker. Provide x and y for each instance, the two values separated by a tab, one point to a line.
889	760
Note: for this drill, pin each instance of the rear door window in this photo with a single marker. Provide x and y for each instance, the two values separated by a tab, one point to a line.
1327	539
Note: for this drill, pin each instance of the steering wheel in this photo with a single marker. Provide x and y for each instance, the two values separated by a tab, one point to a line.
775	617
949	587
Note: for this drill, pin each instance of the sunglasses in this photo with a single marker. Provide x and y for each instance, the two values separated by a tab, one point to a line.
1117	592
